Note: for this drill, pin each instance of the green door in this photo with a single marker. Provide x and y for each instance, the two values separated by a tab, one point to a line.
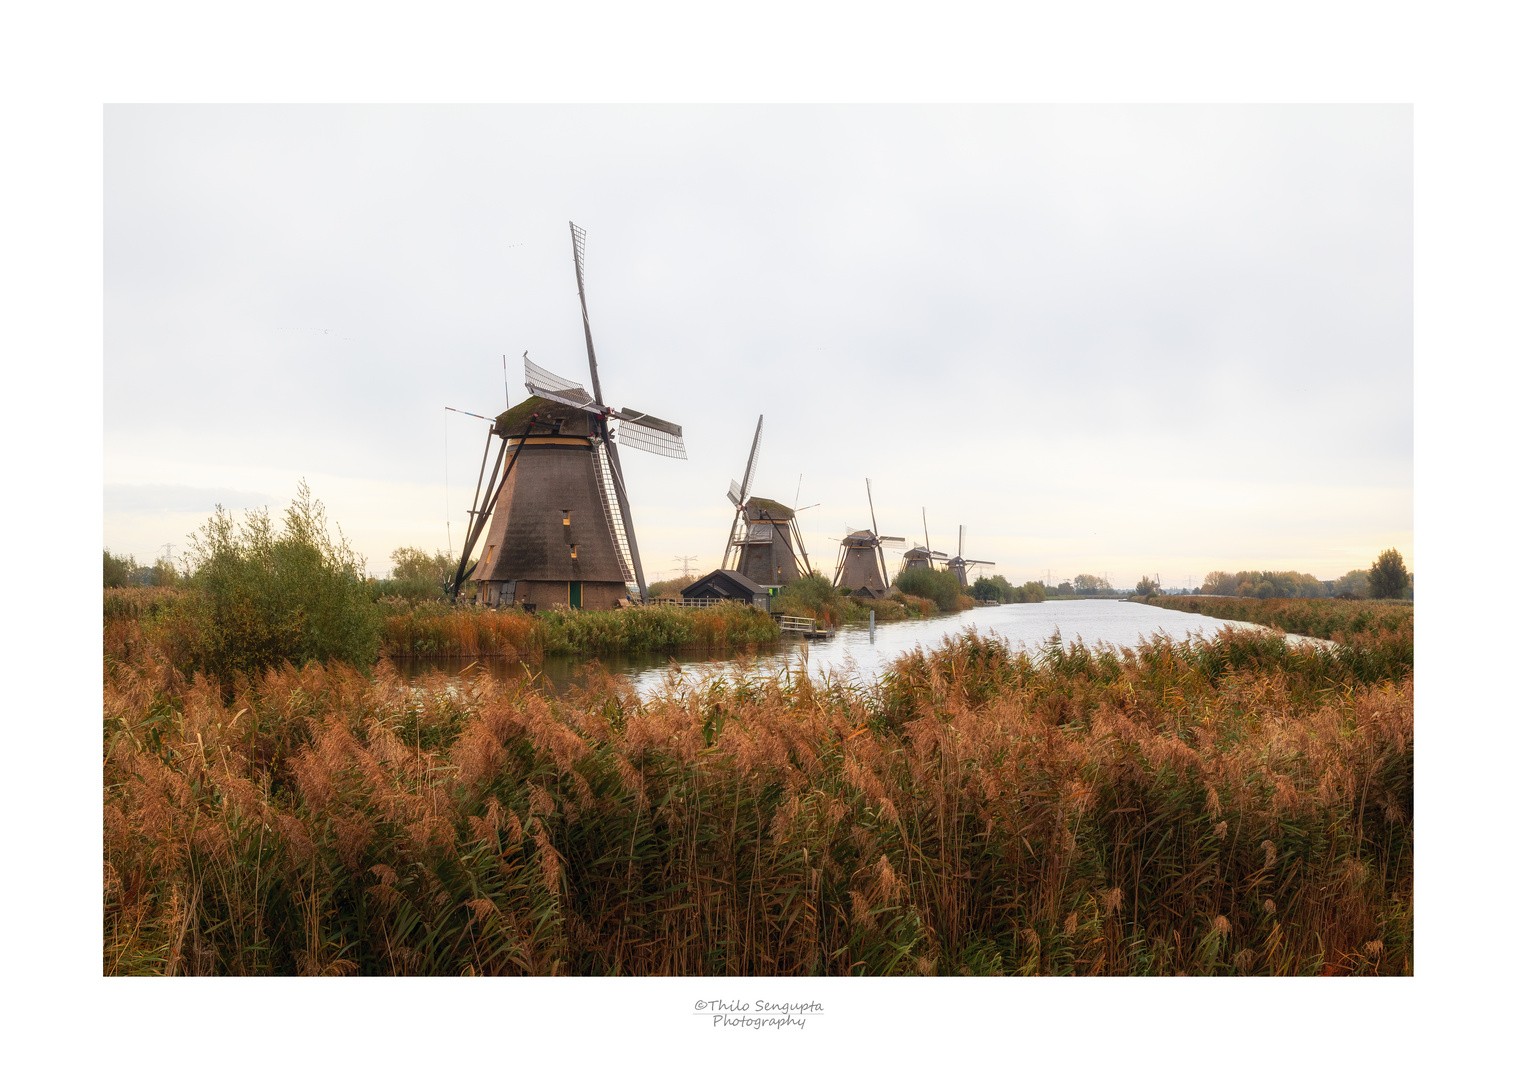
576	594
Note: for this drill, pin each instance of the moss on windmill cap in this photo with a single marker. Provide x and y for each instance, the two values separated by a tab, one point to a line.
778	511
514	420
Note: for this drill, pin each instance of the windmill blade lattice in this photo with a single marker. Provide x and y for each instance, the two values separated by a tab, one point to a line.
651	434
544	383
758	438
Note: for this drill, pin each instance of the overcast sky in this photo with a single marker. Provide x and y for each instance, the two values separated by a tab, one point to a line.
1104	340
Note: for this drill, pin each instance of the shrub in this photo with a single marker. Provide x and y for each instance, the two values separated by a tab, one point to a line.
262	596
671	587
939	586
813	596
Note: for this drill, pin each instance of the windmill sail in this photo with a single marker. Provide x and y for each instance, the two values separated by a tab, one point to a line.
650	433
737	494
545	384
613	513
758	438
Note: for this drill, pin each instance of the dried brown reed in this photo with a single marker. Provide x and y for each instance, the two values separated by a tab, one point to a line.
1184	808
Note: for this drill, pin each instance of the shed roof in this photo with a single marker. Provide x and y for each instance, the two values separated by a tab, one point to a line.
726	583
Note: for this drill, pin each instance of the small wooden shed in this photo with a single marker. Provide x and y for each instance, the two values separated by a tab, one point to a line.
728	585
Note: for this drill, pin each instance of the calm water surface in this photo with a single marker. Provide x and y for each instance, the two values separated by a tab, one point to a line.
854	656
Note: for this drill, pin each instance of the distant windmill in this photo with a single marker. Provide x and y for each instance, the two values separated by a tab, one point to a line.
922	557
861	557
958	564
563	531
764	544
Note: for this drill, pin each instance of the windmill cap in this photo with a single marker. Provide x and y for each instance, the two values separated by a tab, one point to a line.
576	421
776	510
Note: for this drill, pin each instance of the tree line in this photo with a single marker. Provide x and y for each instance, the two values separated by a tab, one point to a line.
1386	579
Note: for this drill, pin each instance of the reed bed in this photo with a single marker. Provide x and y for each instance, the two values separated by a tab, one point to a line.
446	630
140	602
662	628
1233	806
169	621
443	629
1386	626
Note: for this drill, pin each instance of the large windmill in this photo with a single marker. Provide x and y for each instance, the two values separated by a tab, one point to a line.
560	524
922	557
861	557
959	565
764	544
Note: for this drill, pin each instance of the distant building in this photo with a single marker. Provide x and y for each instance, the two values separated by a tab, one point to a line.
728	585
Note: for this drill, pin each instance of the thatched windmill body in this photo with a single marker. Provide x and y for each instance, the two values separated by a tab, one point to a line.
764	544
558	519
960	565
922	557
861	558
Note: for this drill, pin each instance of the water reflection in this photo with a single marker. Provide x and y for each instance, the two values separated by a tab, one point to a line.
855	655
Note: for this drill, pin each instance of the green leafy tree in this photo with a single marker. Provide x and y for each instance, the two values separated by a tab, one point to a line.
940	586
1090	584
414	564
1146	587
118	570
988	589
1388	578
417	576
1032	593
1353	583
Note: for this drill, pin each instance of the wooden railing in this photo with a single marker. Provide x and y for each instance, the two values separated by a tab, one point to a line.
796	624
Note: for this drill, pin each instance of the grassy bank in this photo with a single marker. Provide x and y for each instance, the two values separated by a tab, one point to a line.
444	630
1233	806
1351	623
171	621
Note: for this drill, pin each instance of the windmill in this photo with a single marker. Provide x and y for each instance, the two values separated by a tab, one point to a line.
764	544
958	563
922	557
861	557
560	524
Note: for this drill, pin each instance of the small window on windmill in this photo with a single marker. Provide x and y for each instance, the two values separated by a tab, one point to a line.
573	551
566	517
